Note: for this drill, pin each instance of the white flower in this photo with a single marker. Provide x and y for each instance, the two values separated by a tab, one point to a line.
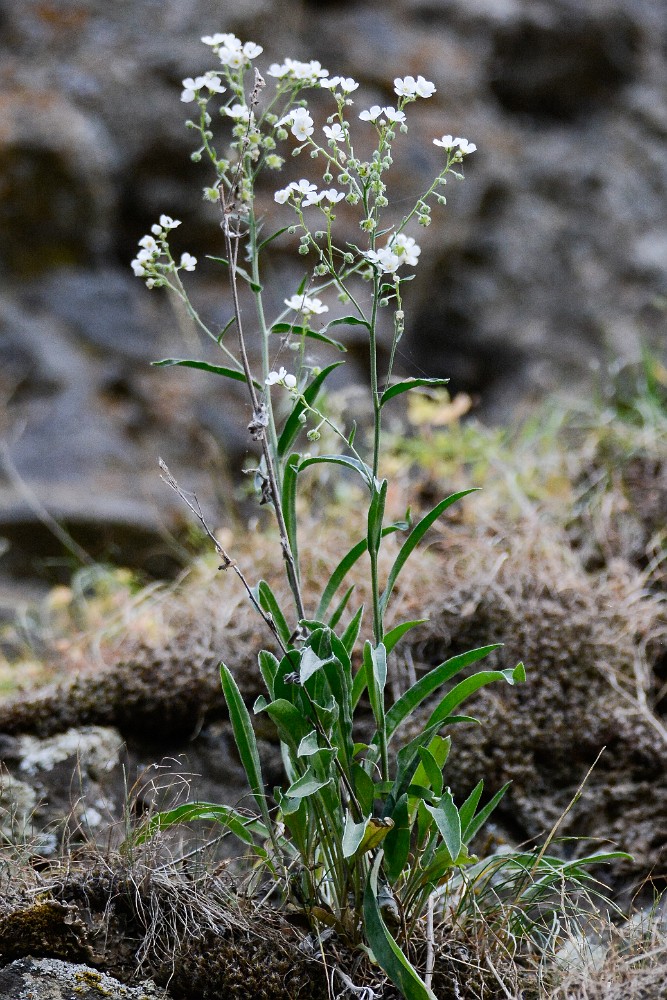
167	222
424	88
251	50
406	249
188	262
308	73
405	87
372	115
239	112
138	267
348	85
306	305
281	377
190	87
219	39
302	124
334	132
344	83
303	187
392	115
313	198
157	230
384	259
465	147
333	196
447	142
409	87
148	243
282	195
214	83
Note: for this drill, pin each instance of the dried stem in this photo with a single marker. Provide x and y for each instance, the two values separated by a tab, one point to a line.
227	561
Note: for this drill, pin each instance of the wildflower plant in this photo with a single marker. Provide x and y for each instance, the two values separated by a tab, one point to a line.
360	837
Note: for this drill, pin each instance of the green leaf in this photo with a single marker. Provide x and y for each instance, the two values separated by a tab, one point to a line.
304	331
242	273
339	574
306	785
448	821
397	841
376	515
396	633
347	321
415	537
245	740
345	565
432	771
347	460
438	751
471	684
267	602
289	722
290	476
375	665
364	788
268	665
351	633
338	612
407	384
474	825
353	834
205	367
241	826
292	426
467	810
270	239
226	327
431	681
385	949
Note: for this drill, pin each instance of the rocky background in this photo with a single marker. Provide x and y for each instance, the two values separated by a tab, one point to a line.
550	258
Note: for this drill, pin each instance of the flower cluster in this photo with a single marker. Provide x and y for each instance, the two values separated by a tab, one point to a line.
281	377
306	305
231	51
301	123
449	143
147	263
192	87
306	194
410	88
380	116
304	73
343	83
401	249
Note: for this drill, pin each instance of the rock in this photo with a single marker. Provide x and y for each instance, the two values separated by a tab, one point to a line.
52	979
547	259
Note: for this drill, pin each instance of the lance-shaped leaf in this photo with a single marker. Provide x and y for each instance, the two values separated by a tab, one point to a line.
397	842
346	564
240	271
415	537
387	953
290	475
465	688
448	821
347	321
306	785
410	383
429	683
267	601
392	637
204	366
348	461
375	516
305	331
245	740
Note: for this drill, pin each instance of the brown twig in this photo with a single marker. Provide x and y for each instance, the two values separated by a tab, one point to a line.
227	561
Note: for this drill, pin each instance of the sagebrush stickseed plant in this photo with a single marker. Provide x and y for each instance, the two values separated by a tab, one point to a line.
360	837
